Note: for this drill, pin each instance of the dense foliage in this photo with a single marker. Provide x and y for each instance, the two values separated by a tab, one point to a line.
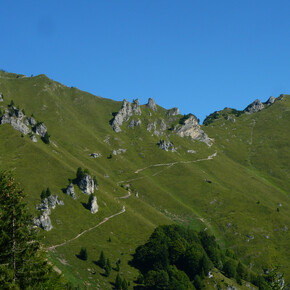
176	257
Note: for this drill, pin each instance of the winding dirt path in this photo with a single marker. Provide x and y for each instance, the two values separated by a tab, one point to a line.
210	157
87	230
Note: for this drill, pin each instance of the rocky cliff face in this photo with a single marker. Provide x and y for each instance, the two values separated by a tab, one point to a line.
173	112
122	116
166	146
191	128
40	129
87	185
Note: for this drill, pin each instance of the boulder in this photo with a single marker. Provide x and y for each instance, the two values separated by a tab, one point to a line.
19	114
53	201
40	129
70	190
95	155
173	112
166	145
271	100
87	185
134	123
151	104
93	205
32	121
33	138
254	107
136	107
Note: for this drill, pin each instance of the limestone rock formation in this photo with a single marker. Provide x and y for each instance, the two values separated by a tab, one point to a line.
271	100
163	125
191	128
93	205
16	123
122	116
44	220
166	145
87	185
133	123
151	104
230	118
70	190
254	107
136	107
173	112
40	129
152	126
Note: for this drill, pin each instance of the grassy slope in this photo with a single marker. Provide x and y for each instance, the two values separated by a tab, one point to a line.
243	172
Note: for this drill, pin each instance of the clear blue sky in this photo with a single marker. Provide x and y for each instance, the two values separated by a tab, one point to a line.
198	55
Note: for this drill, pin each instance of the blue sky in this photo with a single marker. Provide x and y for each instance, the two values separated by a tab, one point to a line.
201	56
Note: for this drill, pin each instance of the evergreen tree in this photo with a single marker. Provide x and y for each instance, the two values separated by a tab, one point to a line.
102	259
45	138
118	282
83	254
43	194
108	267
22	264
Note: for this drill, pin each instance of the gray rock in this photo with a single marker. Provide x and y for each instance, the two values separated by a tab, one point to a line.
53	201
43	205
136	107
151	104
33	138
230	118
15	123
163	125
191	151
122	116
94	205
40	129
5	119
134	123
151	126
19	114
173	112
191	129
254	107
119	151
231	288
95	155
32	121
1	97
271	100
87	185
26	122
70	190
44	221
166	145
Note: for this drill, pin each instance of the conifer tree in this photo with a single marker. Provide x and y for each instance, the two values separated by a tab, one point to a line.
102	259
118	282
108	267
22	265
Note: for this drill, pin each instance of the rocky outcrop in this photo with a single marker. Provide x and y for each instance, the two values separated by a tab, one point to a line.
230	118
1	97
133	123
166	145
191	128
16	123
119	151
70	190
93	205
136	107
271	100
163	125
122	116
152	126
86	184
40	129
46	205
151	104
173	112
44	221
256	106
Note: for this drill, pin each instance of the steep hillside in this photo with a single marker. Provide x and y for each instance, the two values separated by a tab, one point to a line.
230	177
